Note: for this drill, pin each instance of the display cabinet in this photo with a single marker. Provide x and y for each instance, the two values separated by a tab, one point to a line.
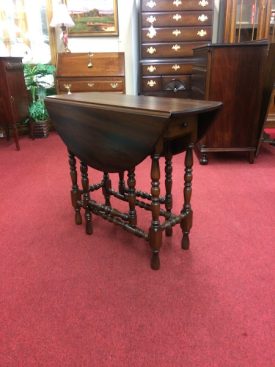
14	98
169	30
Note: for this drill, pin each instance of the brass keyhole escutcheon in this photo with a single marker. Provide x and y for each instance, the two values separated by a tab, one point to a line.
90	64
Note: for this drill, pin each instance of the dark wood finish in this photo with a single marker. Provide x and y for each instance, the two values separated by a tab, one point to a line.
169	30
13	95
114	133
90	72
223	71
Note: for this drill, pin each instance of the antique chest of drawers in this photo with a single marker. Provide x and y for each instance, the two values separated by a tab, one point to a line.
90	72
169	30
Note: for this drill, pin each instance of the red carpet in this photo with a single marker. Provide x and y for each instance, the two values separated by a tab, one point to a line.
68	299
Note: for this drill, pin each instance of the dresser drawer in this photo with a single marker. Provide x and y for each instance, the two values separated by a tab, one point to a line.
176	5
176	49
175	68
177	19
166	83
176	34
91	85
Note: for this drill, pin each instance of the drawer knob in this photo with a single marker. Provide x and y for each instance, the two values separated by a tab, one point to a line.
91	85
176	47
90	64
152	32
151	4
151	68
114	85
203	3
177	17
151	19
176	32
151	83
68	87
202	18
151	50
177	2
202	33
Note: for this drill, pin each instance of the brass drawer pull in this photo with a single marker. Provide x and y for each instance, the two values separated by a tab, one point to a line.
114	85
151	4
202	18
202	33
203	3
90	64
177	17
177	2
91	85
151	68
176	32
151	32
176	67
151	50
176	47
151	19
151	83
68	87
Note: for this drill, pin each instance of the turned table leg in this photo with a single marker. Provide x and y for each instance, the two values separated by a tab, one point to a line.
75	192
168	188
132	197
121	183
86	197
155	232
107	185
186	223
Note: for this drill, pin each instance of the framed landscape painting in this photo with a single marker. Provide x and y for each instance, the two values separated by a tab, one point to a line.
93	17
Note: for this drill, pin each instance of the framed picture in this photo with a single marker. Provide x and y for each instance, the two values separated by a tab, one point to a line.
93	18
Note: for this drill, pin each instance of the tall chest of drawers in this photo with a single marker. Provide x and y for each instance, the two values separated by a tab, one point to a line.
169	30
90	72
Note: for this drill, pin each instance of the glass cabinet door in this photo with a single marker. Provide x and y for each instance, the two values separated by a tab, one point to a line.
247	20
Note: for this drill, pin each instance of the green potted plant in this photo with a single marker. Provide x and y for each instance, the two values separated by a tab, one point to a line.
39	81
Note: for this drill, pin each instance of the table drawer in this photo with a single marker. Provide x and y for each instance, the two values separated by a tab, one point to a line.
177	19
176	34
91	85
176	5
168	49
175	68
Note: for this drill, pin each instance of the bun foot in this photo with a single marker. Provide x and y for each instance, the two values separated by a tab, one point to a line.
185	242
155	263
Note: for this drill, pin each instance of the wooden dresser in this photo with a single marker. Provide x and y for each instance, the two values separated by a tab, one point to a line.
13	95
233	74
169	30
94	72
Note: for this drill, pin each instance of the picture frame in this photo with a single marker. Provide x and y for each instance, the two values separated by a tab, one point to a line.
93	18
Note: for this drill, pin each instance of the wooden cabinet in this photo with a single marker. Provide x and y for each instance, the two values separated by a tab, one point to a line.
222	73
90	72
13	95
169	30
